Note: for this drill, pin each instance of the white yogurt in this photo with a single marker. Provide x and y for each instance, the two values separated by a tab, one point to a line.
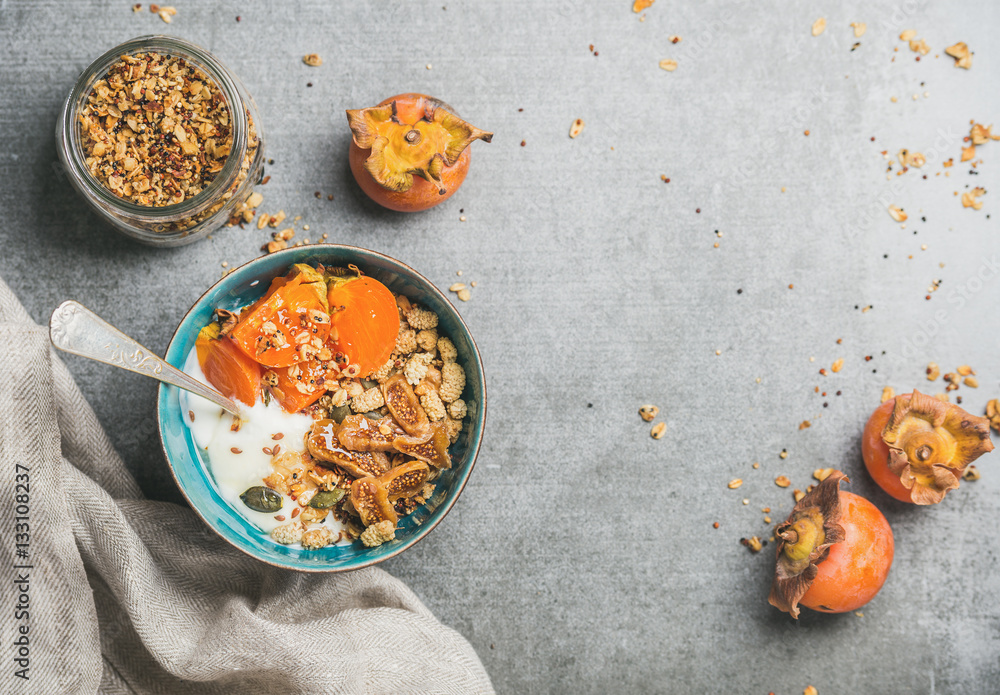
235	472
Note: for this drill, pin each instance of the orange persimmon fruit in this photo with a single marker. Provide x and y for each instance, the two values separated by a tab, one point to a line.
411	152
834	552
364	320
279	330
226	366
917	447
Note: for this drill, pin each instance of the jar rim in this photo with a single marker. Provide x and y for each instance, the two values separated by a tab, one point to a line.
203	60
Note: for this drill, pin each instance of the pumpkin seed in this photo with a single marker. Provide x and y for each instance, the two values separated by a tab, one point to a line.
324	499
262	499
339	412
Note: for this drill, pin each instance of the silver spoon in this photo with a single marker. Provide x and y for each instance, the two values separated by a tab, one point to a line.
77	330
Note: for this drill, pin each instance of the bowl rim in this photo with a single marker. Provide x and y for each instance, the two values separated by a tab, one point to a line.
425	528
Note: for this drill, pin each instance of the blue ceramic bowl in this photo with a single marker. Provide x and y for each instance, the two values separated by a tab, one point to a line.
243	286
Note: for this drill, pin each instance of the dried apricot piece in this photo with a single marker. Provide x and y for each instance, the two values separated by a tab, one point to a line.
404	480
371	500
404	405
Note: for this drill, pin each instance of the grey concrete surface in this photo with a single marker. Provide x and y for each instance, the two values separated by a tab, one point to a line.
581	557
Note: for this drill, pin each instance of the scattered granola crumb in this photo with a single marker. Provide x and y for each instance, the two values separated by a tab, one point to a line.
658	430
970	198
897	213
753	543
819	26
932	371
859	29
810	690
735	483
971	473
805	424
312	60
782	481
838	364
668	64
960	52
822	474
888	393
576	128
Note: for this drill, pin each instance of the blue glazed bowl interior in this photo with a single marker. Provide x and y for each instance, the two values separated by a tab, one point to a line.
243	286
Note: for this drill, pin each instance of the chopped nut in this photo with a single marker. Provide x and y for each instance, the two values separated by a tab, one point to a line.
753	543
971	381
648	412
859	29
908	35
782	481
798	494
783	454
838	364
919	46
166	14
658	430
888	393
735	483
819	26
822	474
312	60
965	370
284	234
274	246
457	287
933	371
262	221
576	128
897	213
968	153
668	64
464	295
805	424
971	473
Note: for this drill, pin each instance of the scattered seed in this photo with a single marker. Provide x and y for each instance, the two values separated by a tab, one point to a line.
576	128
897	213
236	450
668	64
971	381
965	370
838	365
819	26
191	415
798	494
933	371
859	29
971	473
648	412
735	483
658	430
279	435
782	481
457	287
783	454
715	525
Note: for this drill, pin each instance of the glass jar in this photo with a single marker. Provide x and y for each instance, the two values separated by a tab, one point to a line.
190	218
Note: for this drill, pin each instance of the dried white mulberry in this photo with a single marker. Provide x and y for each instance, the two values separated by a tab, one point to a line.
457	409
317	538
379	533
427	339
288	533
433	406
452	381
421	319
371	399
416	368
446	349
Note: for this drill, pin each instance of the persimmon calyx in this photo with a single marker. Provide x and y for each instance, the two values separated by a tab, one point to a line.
401	150
931	443
804	541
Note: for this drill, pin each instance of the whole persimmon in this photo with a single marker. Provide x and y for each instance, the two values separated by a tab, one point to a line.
917	447
411	152
834	552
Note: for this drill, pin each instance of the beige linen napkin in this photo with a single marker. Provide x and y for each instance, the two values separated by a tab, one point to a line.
128	595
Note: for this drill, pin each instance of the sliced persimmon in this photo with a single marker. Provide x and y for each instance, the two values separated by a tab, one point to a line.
226	367
365	322
290	324
300	385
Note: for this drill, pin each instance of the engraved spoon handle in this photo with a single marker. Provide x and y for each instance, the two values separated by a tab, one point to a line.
76	329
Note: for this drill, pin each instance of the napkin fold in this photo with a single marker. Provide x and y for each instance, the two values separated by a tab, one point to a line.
113	593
